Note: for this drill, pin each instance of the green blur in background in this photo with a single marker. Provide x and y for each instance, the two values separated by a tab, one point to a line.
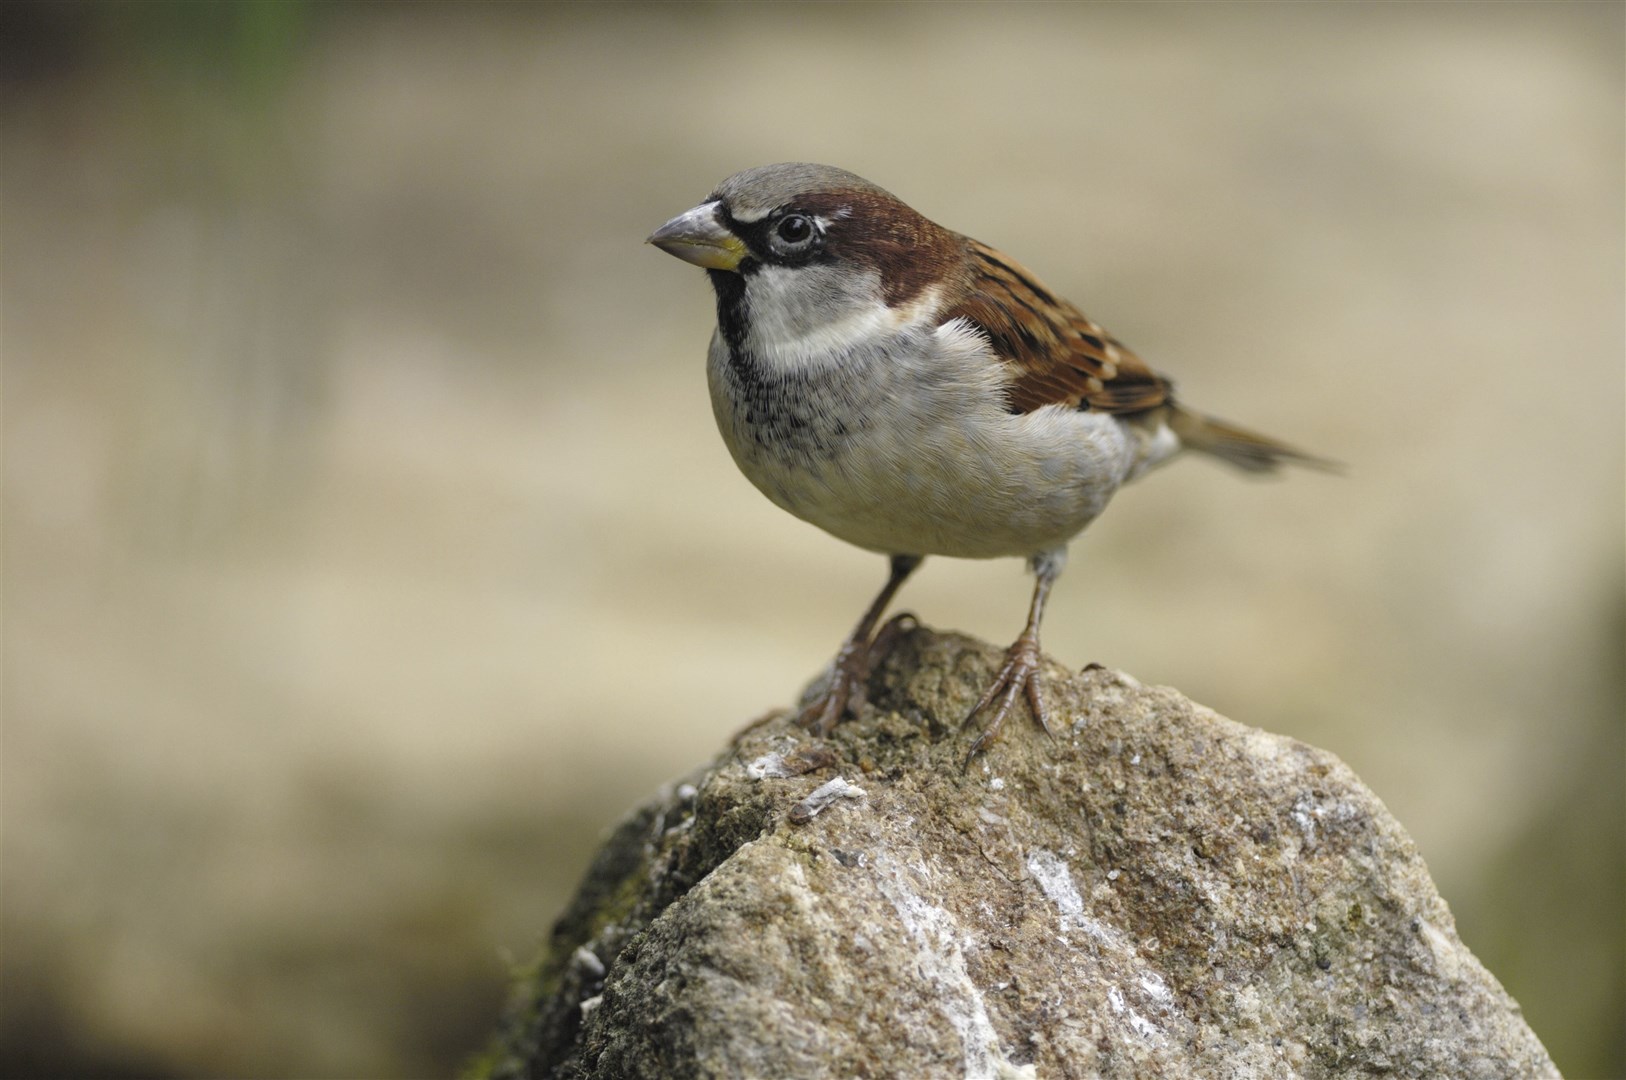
369	547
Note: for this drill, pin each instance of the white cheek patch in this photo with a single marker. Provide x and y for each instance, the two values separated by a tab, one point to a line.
807	315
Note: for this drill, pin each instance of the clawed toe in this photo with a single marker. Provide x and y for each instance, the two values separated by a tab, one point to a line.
845	692
850	671
1018	676
886	638
822	713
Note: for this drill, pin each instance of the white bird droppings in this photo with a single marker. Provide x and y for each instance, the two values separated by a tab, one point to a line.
769	766
588	961
1056	881
822	796
940	961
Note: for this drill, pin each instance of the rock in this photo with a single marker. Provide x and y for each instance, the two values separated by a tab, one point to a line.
1157	892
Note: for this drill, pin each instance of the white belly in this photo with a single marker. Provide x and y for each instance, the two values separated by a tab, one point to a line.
914	452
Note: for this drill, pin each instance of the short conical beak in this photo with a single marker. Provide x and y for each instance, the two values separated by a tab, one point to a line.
699	237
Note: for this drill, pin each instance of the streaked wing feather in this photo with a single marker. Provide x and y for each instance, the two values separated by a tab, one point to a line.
1058	355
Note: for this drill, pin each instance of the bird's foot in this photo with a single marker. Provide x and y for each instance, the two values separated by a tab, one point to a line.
1019	675
886	638
850	674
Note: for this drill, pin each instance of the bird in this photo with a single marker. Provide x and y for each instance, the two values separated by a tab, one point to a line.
915	392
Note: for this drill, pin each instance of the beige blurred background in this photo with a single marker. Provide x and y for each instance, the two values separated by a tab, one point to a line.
368	545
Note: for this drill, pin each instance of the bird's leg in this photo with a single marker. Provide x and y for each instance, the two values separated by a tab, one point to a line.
851	666
1020	673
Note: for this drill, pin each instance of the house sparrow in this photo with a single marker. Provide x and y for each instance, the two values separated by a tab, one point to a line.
916	392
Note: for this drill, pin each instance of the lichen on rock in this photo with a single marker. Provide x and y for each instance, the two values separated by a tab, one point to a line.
1155	892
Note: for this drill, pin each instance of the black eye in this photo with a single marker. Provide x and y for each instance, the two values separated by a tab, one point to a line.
794	229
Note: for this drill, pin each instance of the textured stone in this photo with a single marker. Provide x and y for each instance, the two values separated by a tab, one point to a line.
1156	892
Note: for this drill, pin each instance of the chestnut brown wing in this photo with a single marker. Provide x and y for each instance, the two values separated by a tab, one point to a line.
1058	355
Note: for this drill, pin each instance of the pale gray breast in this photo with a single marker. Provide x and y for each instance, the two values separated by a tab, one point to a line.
913	449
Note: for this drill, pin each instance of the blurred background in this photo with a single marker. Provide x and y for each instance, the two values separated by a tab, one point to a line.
369	547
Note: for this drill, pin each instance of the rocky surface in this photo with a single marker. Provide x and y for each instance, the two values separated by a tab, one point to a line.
1158	891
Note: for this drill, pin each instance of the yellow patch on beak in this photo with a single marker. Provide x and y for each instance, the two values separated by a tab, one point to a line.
698	236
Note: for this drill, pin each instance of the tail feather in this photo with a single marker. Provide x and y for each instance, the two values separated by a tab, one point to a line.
1245	449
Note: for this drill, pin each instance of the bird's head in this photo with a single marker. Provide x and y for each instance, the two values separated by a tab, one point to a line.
808	260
